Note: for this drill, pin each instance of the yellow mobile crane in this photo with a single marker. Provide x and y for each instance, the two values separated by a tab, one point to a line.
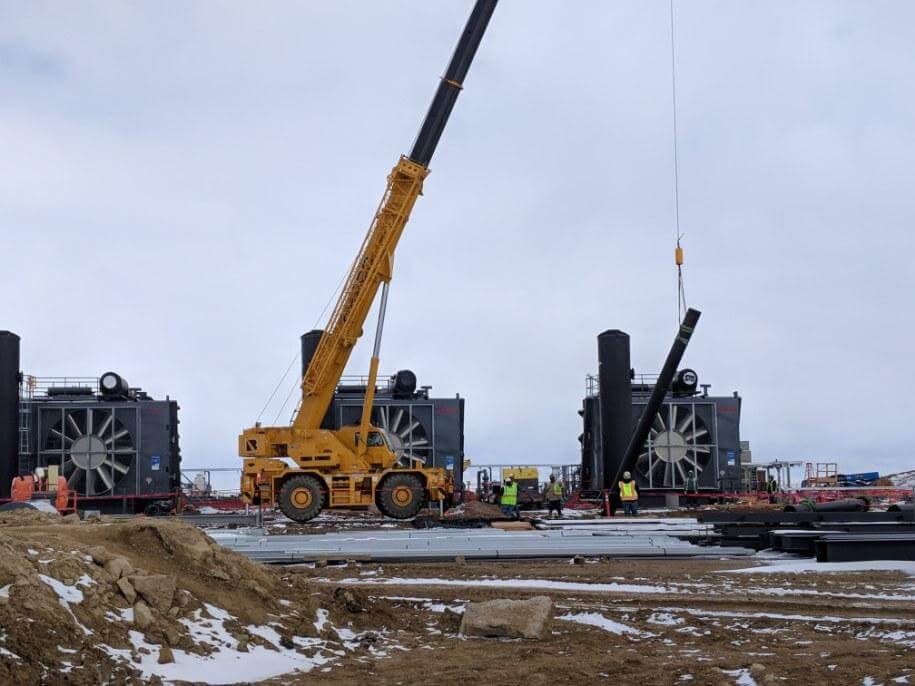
305	468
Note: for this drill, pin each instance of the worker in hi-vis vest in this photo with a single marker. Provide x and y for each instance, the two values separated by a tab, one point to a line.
629	495
554	496
509	500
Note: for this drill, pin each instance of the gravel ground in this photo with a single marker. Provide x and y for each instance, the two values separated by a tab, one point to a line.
683	622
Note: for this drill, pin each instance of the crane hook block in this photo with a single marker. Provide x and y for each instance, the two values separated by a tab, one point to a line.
678	255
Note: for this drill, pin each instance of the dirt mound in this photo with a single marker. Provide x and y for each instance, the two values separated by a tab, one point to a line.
27	517
145	600
211	572
475	510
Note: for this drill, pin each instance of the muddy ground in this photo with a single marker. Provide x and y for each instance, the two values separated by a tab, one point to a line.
703	627
633	621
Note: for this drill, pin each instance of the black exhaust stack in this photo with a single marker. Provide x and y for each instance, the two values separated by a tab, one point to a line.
638	438
310	342
9	410
615	380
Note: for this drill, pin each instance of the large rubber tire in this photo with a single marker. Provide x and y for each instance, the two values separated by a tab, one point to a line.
301	498
400	496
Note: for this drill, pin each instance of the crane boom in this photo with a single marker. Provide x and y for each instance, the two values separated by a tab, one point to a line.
356	466
374	262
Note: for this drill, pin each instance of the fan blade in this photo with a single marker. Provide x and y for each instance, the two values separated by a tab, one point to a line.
396	421
89	421
383	417
698	433
72	422
64	437
68	463
680	469
100	470
700	449
418	443
406	432
660	420
119	467
104	426
90	481
687	420
119	434
667	479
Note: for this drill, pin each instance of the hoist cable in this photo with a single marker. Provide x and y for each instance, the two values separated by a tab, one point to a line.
681	291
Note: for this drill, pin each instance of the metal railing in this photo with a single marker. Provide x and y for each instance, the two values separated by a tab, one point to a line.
592	383
32	386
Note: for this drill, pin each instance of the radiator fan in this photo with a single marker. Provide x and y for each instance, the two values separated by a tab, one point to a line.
406	433
678	442
96	449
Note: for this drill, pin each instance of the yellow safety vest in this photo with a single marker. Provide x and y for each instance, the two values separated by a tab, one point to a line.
556	488
510	494
627	491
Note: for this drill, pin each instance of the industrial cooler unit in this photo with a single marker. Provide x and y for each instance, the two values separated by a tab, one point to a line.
117	447
420	427
692	431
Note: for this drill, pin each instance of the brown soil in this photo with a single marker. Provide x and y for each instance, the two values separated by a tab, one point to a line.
696	636
704	623
46	640
475	510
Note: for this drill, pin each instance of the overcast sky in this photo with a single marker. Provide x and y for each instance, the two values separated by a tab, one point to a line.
182	186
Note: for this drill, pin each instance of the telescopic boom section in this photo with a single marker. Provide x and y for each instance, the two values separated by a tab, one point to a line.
374	263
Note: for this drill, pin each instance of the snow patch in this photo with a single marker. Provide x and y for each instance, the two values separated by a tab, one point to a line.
601	622
322	619
511	583
225	664
794	566
665	619
741	677
67	594
792	618
9	653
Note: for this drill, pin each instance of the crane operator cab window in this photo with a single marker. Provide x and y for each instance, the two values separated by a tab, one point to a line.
376	439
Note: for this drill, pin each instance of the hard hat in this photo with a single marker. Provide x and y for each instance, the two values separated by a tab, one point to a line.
627	475
552	477
691	473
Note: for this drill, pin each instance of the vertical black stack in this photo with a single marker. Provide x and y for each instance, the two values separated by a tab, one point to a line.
615	378
9	410
310	342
